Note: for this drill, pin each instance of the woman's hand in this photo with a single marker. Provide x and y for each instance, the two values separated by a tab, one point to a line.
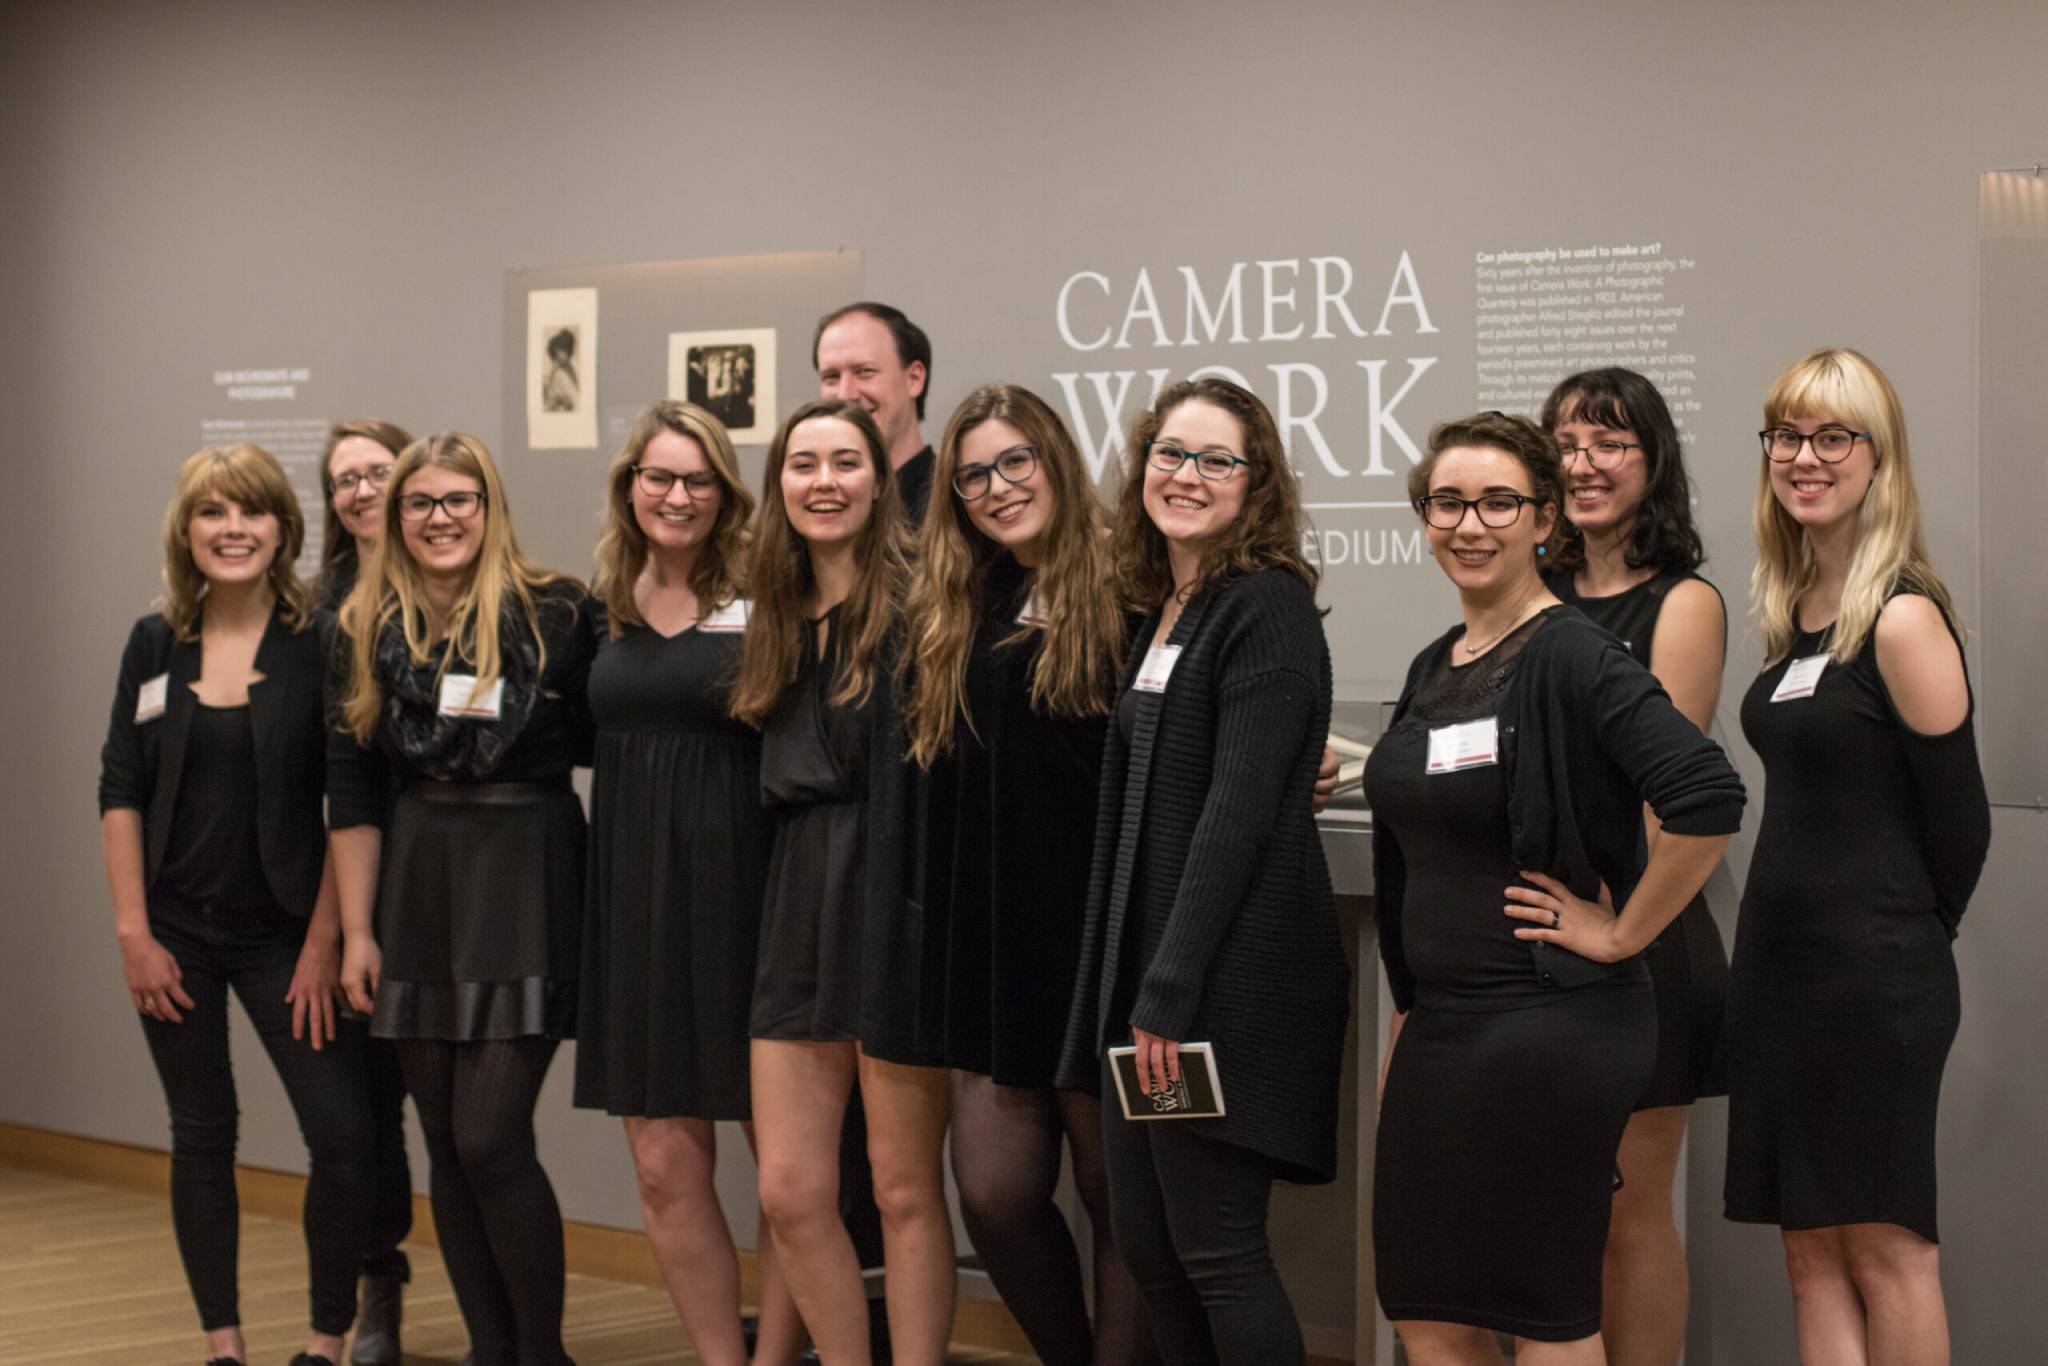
153	979
362	963
1326	782
1158	1061
1588	928
311	994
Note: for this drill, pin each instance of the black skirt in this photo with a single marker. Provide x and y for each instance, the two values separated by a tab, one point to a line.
1689	969
481	904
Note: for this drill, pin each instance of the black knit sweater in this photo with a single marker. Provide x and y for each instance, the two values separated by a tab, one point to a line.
1209	907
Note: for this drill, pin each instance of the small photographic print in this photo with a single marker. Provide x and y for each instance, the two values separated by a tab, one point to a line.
731	375
561	369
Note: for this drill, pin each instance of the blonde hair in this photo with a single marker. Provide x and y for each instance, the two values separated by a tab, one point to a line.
779	576
1076	672
622	546
392	588
245	474
1891	551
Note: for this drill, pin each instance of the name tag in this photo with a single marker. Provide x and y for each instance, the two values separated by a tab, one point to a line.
149	698
1475	744
461	697
1802	676
1157	668
729	620
1034	613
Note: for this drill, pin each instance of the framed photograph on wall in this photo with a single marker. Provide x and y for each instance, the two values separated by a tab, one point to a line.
561	369
729	374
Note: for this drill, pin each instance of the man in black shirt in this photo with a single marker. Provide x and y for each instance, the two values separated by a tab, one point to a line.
874	355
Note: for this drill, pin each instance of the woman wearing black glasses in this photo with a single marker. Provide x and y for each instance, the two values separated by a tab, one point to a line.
1017	641
462	681
1627	555
1210	917
1513	907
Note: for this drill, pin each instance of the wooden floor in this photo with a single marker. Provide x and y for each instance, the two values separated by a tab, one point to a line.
90	1275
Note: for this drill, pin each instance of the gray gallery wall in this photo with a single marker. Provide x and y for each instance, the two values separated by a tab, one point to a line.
203	186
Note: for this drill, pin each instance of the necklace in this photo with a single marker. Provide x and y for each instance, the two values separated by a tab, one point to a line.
1474	651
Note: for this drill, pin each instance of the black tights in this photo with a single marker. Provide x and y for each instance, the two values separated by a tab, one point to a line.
1006	1159
495	1213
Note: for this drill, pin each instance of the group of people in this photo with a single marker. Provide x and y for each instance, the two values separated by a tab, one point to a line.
920	774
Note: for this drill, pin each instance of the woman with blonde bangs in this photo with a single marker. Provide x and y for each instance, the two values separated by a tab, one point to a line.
464	671
1842	996
1209	916
678	859
1017	639
210	824
841	980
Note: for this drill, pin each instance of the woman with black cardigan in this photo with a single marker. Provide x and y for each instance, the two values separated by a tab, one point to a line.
1209	909
210	821
1508	797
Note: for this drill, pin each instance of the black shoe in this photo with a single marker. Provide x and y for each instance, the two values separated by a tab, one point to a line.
376	1341
309	1359
223	1361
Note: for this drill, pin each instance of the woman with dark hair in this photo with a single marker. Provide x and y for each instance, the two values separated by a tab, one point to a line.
210	786
1843	999
841	982
462	670
1523	749
1017	637
1626	554
355	472
678	857
1210	917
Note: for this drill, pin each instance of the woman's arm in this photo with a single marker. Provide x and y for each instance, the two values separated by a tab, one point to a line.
318	973
353	855
1686	656
1679	866
151	972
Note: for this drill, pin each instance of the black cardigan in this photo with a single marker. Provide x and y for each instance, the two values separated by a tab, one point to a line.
1587	735
1209	906
140	762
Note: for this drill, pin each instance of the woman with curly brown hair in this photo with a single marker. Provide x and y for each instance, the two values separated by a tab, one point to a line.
1210	916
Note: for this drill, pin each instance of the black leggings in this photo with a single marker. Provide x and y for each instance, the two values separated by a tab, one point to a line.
1006	1160
390	1171
1190	1215
494	1211
256	959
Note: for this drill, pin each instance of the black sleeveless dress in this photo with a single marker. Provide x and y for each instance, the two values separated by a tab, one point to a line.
1842	997
1688	962
678	858
1506	1099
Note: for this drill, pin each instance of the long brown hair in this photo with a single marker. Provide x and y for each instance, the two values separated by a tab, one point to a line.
779	576
338	555
716	575
392	588
1076	671
251	476
1266	535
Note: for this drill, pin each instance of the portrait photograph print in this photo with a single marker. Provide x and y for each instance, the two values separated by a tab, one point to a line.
729	374
561	369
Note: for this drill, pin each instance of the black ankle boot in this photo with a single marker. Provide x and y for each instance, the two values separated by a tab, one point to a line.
377	1323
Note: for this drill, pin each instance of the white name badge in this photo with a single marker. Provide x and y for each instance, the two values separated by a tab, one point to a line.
1802	676
460	697
1475	744
729	620
1157	668
1034	613
149	698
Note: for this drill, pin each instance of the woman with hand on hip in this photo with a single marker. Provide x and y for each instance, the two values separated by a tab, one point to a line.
1210	917
1627	555
1513	907
464	667
840	983
1842	997
210	788
1016	641
678	857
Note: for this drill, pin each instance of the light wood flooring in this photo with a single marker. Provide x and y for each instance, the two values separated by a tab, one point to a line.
90	1275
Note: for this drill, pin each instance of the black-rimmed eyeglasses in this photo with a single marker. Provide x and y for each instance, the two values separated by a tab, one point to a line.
1831	445
1601	455
655	481
1016	464
1496	510
461	505
345	485
1169	456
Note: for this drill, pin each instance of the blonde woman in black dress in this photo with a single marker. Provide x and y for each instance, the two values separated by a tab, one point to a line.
1842	997
678	856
